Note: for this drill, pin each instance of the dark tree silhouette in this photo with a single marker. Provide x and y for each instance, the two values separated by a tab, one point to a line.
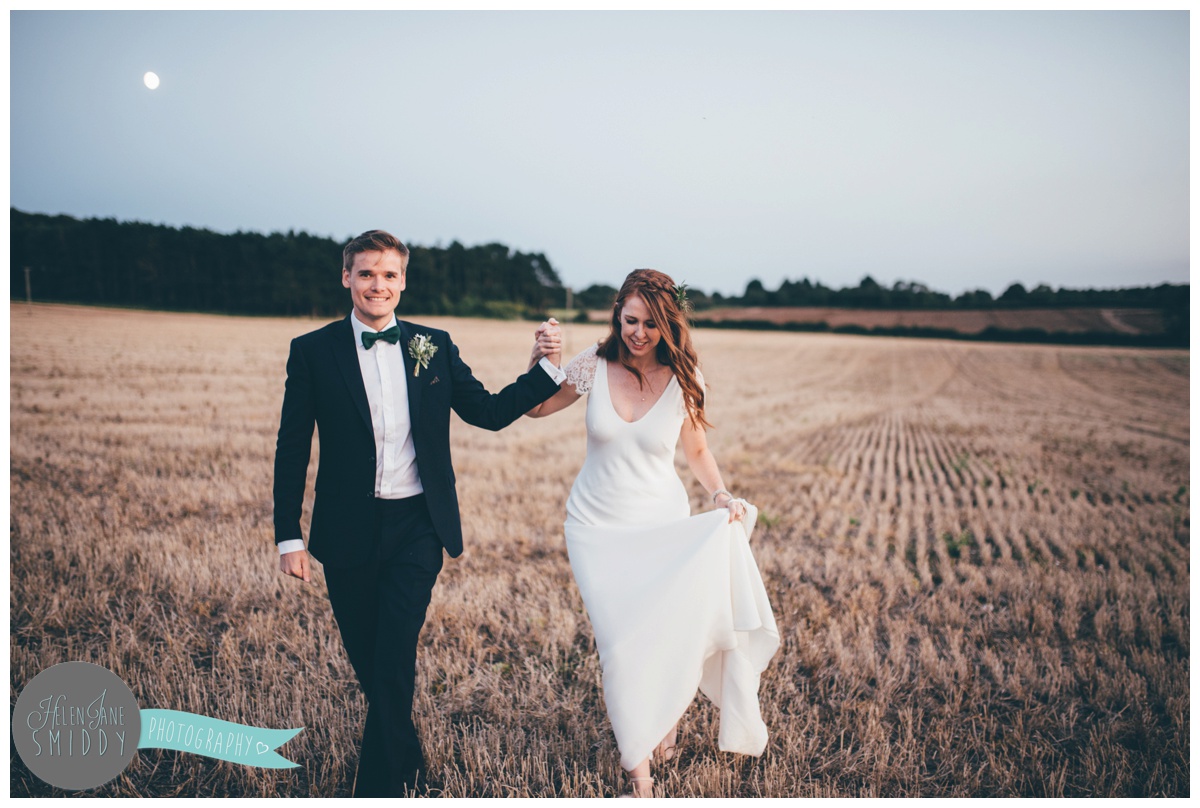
103	261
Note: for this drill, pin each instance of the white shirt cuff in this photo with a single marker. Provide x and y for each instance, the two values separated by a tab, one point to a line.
556	373
290	546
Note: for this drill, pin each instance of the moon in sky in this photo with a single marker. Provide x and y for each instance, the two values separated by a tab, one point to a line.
150	80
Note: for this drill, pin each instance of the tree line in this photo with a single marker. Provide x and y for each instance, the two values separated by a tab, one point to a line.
869	294
106	262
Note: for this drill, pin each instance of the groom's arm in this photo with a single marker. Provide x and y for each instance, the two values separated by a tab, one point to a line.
494	411
293	447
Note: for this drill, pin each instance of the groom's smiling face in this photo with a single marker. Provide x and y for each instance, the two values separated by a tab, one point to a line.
375	281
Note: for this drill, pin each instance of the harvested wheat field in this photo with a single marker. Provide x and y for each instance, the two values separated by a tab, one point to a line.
978	556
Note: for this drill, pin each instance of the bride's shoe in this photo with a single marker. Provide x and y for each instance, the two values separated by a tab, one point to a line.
642	787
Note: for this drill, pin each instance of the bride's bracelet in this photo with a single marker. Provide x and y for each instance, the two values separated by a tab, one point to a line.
718	493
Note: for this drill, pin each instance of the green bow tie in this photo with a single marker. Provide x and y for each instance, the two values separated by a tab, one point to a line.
391	335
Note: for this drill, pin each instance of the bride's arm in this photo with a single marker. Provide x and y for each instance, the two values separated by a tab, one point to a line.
565	397
704	466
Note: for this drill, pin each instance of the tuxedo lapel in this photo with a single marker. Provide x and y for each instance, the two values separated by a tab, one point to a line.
346	358
415	383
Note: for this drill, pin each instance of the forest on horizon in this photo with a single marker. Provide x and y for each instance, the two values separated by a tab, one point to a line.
109	262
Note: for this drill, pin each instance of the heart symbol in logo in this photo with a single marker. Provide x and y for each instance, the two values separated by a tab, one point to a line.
262	747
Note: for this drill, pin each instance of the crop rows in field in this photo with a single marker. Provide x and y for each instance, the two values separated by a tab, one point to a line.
978	556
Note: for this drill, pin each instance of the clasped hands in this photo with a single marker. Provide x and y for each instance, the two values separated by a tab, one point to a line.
547	343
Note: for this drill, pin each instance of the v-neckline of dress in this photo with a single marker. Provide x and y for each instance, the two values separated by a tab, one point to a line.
608	392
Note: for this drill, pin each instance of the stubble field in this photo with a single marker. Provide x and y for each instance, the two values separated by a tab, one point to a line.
978	556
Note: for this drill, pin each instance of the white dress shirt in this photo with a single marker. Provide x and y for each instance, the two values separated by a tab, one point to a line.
384	378
386	381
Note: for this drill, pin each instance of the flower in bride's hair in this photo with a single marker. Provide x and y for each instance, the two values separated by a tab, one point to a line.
681	298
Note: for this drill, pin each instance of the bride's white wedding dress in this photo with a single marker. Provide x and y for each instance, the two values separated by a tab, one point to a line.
676	601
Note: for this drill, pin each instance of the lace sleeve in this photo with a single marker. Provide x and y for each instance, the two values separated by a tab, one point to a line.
581	371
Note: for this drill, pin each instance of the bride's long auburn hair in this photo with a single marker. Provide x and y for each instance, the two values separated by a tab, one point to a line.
657	291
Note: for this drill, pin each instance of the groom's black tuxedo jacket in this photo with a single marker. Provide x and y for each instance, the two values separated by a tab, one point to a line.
325	387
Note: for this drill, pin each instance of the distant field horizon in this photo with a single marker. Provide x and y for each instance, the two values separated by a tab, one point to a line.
1132	327
1070	320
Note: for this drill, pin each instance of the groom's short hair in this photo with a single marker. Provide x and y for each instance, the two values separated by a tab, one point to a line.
373	241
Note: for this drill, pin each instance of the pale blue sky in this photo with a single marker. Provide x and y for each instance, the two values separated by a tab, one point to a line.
961	149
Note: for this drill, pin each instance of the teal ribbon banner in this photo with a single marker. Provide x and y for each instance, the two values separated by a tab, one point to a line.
224	740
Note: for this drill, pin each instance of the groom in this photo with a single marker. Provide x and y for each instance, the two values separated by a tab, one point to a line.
380	394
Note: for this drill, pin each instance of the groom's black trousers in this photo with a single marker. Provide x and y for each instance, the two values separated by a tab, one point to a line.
380	608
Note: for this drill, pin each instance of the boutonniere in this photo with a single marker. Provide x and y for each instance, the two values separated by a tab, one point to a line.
421	349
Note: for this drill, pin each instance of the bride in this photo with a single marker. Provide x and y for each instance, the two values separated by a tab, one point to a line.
675	601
